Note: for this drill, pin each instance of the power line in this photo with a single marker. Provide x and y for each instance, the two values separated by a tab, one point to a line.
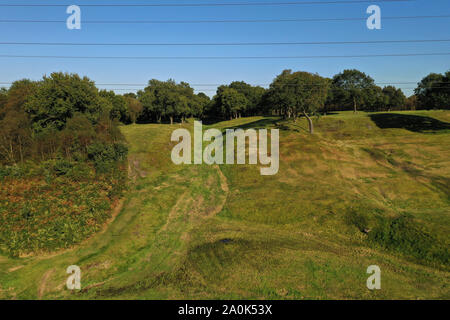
223	44
225	57
235	4
222	21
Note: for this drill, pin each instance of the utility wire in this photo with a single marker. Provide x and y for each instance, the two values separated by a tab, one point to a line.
231	4
224	57
222	21
222	44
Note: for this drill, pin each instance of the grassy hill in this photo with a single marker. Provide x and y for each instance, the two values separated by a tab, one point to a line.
214	232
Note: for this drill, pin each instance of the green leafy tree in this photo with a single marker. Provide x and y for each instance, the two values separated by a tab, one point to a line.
253	94
134	108
351	88
199	104
433	92
19	93
299	93
395	98
118	105
59	97
166	99
229	102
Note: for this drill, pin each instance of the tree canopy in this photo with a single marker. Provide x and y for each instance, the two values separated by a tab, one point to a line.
433	92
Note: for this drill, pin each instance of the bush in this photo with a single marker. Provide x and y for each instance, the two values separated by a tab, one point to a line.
105	156
26	169
403	234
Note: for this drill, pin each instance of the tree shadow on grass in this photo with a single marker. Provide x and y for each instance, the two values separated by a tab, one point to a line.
409	122
270	122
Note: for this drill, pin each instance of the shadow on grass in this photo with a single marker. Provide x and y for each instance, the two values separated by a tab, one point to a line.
259	124
409	122
266	123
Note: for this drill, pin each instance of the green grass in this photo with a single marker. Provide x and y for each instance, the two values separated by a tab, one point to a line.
208	232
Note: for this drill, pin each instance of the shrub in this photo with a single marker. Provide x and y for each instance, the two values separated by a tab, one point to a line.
80	172
403	234
105	156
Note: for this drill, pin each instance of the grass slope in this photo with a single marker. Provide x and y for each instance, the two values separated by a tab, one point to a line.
227	232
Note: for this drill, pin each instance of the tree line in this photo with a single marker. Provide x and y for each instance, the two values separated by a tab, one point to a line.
67	115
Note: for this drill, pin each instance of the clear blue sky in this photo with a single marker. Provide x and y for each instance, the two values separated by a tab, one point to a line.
382	69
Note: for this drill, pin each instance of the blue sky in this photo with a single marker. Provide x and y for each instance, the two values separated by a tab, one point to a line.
382	69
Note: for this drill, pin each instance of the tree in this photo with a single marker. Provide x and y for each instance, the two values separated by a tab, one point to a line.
166	99
253	94
351	87
59	97
280	97
411	103
134	108
299	93
229	102
199	104
150	111
433	91
19	93
15	137
395	98
118	105
185	101
78	134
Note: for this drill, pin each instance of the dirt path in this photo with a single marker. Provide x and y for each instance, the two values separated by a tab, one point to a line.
134	168
41	288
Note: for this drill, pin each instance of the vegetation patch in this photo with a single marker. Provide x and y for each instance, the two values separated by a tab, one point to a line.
46	213
405	235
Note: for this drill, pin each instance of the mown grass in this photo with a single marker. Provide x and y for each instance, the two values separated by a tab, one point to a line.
309	232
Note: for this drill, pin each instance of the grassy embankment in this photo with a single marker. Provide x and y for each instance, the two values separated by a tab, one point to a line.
228	232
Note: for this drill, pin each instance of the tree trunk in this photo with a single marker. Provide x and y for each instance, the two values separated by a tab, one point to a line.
20	149
13	160
354	105
311	126
171	120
